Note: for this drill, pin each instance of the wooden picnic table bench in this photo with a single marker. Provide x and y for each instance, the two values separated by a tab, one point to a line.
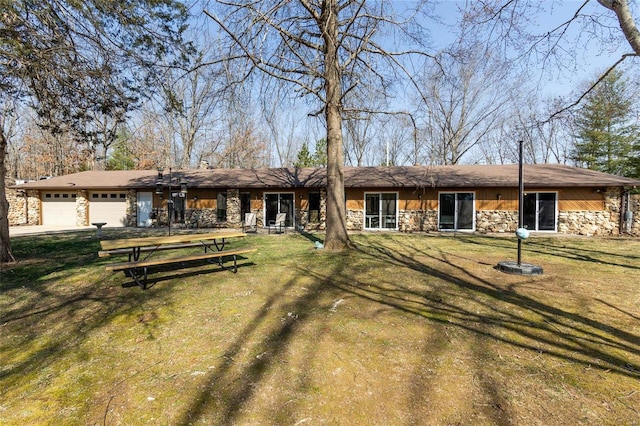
136	268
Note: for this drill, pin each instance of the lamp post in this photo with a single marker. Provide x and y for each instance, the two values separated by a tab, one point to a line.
170	202
522	233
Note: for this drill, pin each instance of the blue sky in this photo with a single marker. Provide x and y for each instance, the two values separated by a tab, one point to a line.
584	56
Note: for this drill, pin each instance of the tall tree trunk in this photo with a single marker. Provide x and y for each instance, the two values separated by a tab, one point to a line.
5	244
337	237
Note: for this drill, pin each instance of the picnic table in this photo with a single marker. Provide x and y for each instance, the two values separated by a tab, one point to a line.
213	244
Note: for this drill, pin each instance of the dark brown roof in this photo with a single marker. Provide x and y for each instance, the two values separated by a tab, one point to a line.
474	176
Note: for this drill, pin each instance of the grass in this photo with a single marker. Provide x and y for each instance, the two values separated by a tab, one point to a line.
404	330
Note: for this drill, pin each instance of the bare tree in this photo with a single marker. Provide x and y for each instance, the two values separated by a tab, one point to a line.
192	100
464	98
280	115
588	28
324	48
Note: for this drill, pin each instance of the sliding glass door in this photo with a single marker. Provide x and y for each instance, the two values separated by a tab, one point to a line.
381	210
540	211
278	203
456	211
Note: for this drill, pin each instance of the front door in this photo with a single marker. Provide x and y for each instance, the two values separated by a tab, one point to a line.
278	203
145	201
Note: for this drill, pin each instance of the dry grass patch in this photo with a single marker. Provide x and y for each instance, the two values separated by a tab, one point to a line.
406	329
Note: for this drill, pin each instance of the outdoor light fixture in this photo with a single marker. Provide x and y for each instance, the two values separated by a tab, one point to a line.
499	196
160	192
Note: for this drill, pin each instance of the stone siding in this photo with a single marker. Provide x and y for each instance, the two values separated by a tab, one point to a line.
132	208
418	220
82	208
202	218
355	220
499	221
24	207
588	223
18	207
234	218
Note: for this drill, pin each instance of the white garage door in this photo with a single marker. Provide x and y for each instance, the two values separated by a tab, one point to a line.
108	207
59	208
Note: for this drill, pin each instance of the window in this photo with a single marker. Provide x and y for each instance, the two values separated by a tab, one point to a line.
222	207
456	211
314	207
381	210
245	203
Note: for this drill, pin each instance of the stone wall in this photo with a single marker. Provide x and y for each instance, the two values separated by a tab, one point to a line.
588	223
355	220
418	220
24	207
82	208
18	209
499	221
234	218
202	218
131	215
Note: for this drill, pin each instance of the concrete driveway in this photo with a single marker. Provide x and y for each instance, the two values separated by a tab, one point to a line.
15	231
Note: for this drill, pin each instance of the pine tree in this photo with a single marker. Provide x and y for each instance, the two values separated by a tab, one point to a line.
304	157
318	159
606	136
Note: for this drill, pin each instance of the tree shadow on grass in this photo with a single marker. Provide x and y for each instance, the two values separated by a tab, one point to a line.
229	389
505	316
554	247
53	298
568	335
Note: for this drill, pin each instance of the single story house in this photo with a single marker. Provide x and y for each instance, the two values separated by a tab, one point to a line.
482	198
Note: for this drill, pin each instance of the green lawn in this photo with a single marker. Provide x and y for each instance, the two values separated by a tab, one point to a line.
403	330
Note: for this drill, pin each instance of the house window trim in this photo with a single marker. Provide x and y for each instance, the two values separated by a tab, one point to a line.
364	211
473	214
